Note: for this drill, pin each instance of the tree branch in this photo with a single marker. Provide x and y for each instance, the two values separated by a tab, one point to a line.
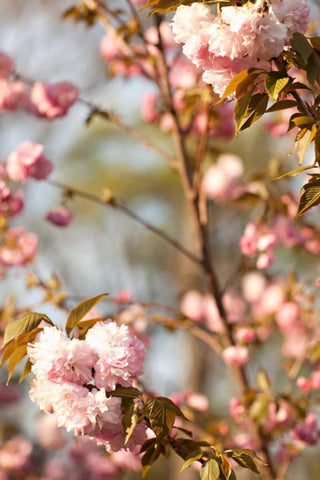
121	207
202	235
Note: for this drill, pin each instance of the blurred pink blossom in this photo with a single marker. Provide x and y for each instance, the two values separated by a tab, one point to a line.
236	355
60	216
28	161
52	101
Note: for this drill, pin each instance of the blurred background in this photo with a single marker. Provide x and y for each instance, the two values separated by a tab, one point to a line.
102	250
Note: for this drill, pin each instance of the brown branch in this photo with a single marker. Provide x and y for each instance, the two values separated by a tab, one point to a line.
121	207
202	236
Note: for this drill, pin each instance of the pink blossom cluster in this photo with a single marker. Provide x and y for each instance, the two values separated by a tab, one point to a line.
223	180
183	76
85	461
15	457
203	308
74	378
17	245
240	37
259	239
28	161
41	99
195	400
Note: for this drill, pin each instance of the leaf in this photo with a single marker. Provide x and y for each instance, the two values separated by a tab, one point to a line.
174	407
15	359
210	470
282	105
130	421
193	458
241	108
26	371
301	45
244	457
315	42
252	108
302	121
125	392
24	324
81	310
185	448
161	416
313	68
234	83
275	82
294	172
152	453
7	352
263	381
226	467
309	196
164	6
317	146
304	139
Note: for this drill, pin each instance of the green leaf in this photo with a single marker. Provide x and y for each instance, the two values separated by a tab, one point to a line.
244	457
313	68
125	392
282	105
303	142
234	84
309	196
23	325
303	121
81	310
315	42
295	172
252	108
275	82
301	45
193	458
241	108
210	470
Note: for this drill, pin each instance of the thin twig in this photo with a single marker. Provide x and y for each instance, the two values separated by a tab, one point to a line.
133	132
121	207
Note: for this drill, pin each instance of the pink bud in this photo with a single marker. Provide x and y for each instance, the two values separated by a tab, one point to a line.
198	402
236	355
245	335
265	260
287	316
192	305
304	384
60	216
